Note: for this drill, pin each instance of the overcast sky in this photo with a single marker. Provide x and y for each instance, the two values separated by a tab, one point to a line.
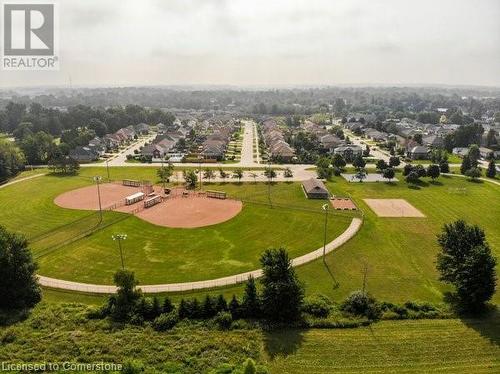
254	42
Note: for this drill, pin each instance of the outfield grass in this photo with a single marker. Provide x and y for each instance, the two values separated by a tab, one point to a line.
159	254
450	346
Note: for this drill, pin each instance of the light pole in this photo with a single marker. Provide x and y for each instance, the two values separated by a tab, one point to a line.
107	168
119	238
199	169
98	179
325	208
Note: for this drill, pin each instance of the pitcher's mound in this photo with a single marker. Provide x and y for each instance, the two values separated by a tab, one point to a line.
393	208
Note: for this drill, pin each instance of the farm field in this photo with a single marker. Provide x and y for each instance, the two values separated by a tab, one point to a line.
160	254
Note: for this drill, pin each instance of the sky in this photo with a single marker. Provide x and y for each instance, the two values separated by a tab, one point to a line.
273	43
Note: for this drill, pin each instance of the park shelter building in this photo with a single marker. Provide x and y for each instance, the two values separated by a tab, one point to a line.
315	189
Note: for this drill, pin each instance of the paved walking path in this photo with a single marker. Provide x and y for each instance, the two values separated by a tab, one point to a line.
21	180
220	282
481	179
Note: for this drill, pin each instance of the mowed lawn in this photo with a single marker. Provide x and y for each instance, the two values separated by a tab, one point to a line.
400	253
159	254
424	346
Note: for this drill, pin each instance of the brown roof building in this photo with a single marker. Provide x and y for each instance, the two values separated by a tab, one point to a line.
315	189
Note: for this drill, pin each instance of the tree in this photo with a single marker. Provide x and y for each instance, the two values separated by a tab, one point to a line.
366	151
234	307
407	169
418	138
251	305
123	304
388	173
238	173
191	178
338	161
254	176
381	165
288	173
491	172
165	172
466	164
394	161
359	162
11	160
466	262
360	174
420	170
270	173
63	165
208	174
38	148
474	154
282	294
223	174
98	126
473	173
323	168
412	178
444	166
433	171
19	287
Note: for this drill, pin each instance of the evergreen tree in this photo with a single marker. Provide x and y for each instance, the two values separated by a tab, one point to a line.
251	306
282	294
492	169
466	165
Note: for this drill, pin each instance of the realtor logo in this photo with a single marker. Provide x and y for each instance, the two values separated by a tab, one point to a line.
29	36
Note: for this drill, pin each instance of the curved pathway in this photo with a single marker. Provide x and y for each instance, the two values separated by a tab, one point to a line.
21	180
220	282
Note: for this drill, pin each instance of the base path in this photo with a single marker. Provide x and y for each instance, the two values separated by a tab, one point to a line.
220	282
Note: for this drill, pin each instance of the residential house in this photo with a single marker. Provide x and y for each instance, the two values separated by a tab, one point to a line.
418	152
83	154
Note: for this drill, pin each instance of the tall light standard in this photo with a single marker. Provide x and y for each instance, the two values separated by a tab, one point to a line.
107	168
325	208
119	238
199	169
97	180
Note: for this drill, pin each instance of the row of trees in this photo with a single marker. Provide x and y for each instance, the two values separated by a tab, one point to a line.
101	121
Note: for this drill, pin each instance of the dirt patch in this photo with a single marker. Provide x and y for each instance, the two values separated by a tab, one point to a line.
182	209
393	208
343	204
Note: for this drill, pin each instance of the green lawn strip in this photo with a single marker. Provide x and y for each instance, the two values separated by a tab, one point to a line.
450	346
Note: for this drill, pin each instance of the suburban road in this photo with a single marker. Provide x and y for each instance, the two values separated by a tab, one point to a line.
247	149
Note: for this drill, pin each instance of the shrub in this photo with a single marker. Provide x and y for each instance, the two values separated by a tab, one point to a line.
223	320
132	367
360	303
317	306
165	321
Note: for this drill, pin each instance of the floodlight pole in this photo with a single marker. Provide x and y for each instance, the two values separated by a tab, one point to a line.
107	168
325	208
97	179
119	238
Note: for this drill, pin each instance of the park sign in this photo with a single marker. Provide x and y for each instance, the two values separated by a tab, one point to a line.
30	35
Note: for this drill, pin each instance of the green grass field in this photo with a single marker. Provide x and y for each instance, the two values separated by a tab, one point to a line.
450	346
400	252
159	254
